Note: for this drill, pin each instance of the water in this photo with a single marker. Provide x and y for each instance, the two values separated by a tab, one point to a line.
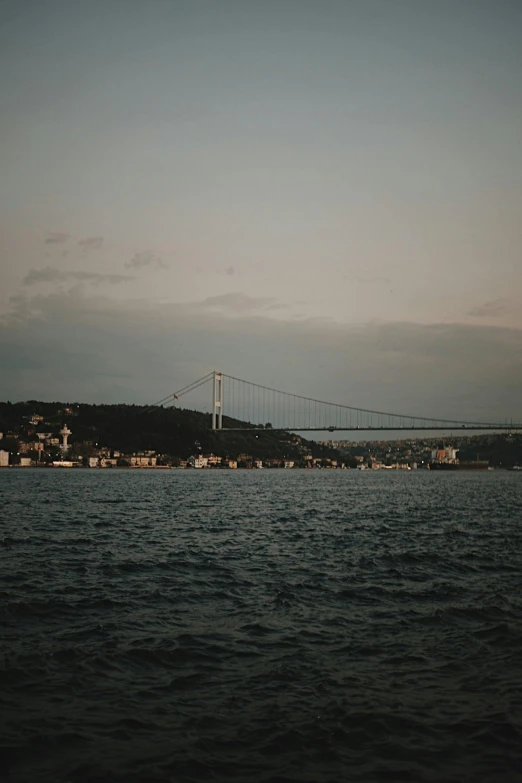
260	626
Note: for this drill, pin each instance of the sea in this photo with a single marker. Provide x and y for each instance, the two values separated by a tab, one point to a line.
269	625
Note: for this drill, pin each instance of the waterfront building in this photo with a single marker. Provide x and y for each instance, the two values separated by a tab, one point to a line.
142	461
108	462
198	462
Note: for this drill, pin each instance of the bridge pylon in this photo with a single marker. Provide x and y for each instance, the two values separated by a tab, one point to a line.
217	400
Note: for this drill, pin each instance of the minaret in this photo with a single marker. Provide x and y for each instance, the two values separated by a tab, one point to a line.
65	432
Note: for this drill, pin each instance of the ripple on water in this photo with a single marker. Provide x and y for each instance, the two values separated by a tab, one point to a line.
261	626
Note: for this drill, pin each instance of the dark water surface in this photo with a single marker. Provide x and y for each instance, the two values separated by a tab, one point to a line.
260	626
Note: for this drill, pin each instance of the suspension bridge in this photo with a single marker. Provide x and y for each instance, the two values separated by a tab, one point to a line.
243	406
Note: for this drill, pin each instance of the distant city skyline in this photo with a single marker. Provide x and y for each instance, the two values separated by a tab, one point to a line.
322	196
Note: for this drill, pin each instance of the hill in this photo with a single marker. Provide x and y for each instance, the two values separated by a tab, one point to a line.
173	432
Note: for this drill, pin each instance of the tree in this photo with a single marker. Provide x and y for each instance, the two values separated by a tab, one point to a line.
9	444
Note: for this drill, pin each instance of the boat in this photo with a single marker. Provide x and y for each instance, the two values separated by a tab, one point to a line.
474	465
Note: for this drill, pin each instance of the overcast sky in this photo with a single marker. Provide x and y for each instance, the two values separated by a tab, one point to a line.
321	196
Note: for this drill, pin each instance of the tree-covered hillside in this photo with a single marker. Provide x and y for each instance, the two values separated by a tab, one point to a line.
131	428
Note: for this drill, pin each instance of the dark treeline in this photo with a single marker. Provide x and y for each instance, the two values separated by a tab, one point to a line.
132	428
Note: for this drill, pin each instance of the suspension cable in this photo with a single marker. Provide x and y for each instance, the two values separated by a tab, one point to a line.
445	422
180	392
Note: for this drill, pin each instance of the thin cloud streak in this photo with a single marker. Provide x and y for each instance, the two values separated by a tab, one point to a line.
52	275
91	243
56	238
239	303
493	309
145	258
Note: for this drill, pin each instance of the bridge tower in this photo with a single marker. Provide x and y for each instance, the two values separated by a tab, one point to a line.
217	400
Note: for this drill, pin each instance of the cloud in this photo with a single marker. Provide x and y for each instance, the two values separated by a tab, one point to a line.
239	303
492	309
145	258
91	243
55	238
76	345
52	275
371	279
227	270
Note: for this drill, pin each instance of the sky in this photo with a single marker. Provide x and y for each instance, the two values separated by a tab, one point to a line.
324	197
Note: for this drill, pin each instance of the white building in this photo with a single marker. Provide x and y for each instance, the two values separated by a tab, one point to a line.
108	462
141	461
198	462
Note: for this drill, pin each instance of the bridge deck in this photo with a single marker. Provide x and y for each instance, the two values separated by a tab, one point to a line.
396	428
